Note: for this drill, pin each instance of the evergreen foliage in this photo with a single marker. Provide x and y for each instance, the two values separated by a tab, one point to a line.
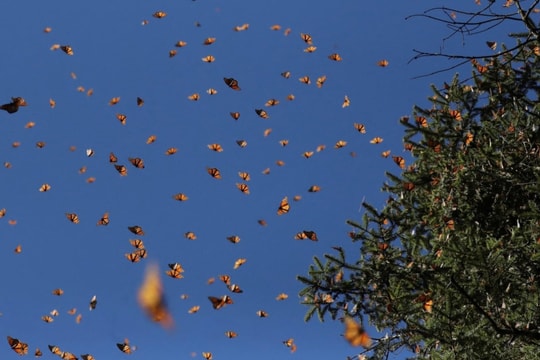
449	268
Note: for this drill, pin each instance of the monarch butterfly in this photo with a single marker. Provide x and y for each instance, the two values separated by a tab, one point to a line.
305	80
140	101
382	63
93	303
320	81
122	118
91	180
137	243
266	171
211	91
89	152
72	311
80	89
244	188
307	38
52	103
210	281
90	92
207	355
137	162
244	176
263	114
335	57
55	47
235	288
136	229
235	115
290	344
306	234
40	144
284	142
297	198
239	262
355	334
47	318
469	137
151	139
346	102
262	313
47	30
290	97
171	151
455	114
272	102
67	49
152	300
72	217
214	172
307	154
275	27
16	144
55	349
267	132
38	353
18	249
104	220
286	74
82	170
385	154
282	297
54	312
360	127
320	148
87	357
159	14
280	162
112	158
226	279
136	256
340	144
376	140
215	147
124	347
114	100
180	197
209	41
421	121
45	187
400	161
180	43
314	188
262	222
232	83
208	59
241	27
241	143
58	292
194	97
3	212
190	235
230	334
122	170
310	49
284	206
194	309
172	53
235	239
29	125
175	273
218	303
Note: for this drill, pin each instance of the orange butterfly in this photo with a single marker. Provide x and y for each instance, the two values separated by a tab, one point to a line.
320	81
122	118
175	271
235	288
159	14
124	347
244	188
171	151
215	147
137	243
180	43
45	187
235	115
214	172
286	74
122	170
230	334
306	234
305	80
67	49
376	140
112	158
272	102
340	144
244	175
239	262
263	114
137	162
335	57
382	63
307	38
400	161
314	188
209	41
180	197
218	303
136	229
284	206
194	97
190	235
307	154
355	334
235	239
207	355
151	139
104	219
241	143
360	127
282	297
152	299
72	217
211	91
140	101
262	313
310	49
232	83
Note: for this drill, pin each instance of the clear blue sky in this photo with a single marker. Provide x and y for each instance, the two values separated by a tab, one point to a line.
118	57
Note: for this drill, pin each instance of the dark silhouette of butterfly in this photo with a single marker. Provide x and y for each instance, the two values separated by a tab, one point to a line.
232	83
13	106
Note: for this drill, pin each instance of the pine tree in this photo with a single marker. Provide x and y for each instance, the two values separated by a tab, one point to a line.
450	266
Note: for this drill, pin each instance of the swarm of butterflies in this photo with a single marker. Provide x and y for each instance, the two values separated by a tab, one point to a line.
151	294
